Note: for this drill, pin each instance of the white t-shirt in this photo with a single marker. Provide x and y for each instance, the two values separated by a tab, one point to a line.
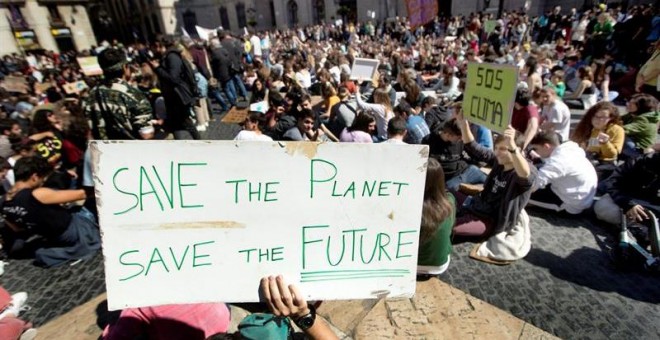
571	176
256	45
251	135
559	114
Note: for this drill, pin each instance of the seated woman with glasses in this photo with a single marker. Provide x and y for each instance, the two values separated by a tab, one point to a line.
601	135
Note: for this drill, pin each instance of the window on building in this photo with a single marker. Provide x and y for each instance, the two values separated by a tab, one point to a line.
292	7
156	23
54	14
240	15
273	19
319	10
190	21
224	18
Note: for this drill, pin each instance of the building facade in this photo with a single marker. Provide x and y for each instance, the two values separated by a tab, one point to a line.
144	20
45	24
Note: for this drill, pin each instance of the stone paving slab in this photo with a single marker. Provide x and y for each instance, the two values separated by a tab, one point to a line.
438	311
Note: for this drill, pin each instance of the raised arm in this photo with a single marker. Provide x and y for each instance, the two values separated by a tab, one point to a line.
475	150
520	164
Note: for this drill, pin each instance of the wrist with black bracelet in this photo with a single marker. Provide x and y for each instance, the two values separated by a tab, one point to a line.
306	321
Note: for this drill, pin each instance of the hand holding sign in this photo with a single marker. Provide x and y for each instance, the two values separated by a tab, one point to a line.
510	137
283	300
489	95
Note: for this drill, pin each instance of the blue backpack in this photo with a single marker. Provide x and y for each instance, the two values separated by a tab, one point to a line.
265	326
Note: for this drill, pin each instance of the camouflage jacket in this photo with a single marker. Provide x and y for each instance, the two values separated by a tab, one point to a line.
118	111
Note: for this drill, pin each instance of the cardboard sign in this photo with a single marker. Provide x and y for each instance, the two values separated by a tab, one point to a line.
90	66
364	68
489	26
75	88
421	12
184	226
490	92
15	84
235	116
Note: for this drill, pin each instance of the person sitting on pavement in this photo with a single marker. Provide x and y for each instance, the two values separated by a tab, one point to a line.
278	120
11	327
342	113
30	207
497	214
252	128
633	186
555	115
287	301
396	131
640	124
415	124
361	131
601	135
438	217
183	321
525	118
435	115
304	129
566	180
447	147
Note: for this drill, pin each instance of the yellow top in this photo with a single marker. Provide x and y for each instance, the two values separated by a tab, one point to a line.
607	151
330	102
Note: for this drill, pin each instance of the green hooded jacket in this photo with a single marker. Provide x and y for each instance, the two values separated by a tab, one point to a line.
642	129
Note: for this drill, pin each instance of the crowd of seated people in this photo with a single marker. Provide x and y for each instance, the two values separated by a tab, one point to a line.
607	161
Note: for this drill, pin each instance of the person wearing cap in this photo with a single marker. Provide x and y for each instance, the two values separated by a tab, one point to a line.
116	109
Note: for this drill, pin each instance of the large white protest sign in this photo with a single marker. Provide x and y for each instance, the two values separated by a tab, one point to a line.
364	68
204	221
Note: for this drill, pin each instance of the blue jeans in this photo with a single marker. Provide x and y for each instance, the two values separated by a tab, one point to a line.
471	175
215	94
630	149
231	86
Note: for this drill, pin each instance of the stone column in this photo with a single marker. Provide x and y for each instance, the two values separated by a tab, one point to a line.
38	19
8	45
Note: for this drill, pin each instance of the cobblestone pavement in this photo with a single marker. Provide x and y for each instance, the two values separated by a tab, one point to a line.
566	285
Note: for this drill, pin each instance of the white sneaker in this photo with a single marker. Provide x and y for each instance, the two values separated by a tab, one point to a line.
201	128
16	306
29	334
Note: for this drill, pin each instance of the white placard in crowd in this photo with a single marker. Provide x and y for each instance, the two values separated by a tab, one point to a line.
364	68
205	221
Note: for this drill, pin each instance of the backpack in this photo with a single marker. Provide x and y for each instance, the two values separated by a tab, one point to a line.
186	89
260	326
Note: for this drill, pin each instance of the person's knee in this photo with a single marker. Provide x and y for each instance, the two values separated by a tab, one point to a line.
607	211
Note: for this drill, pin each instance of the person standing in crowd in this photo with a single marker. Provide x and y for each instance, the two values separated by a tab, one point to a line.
179	88
115	109
233	86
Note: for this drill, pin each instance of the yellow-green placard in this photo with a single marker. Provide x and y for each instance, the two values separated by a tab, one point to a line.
490	92
489	26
